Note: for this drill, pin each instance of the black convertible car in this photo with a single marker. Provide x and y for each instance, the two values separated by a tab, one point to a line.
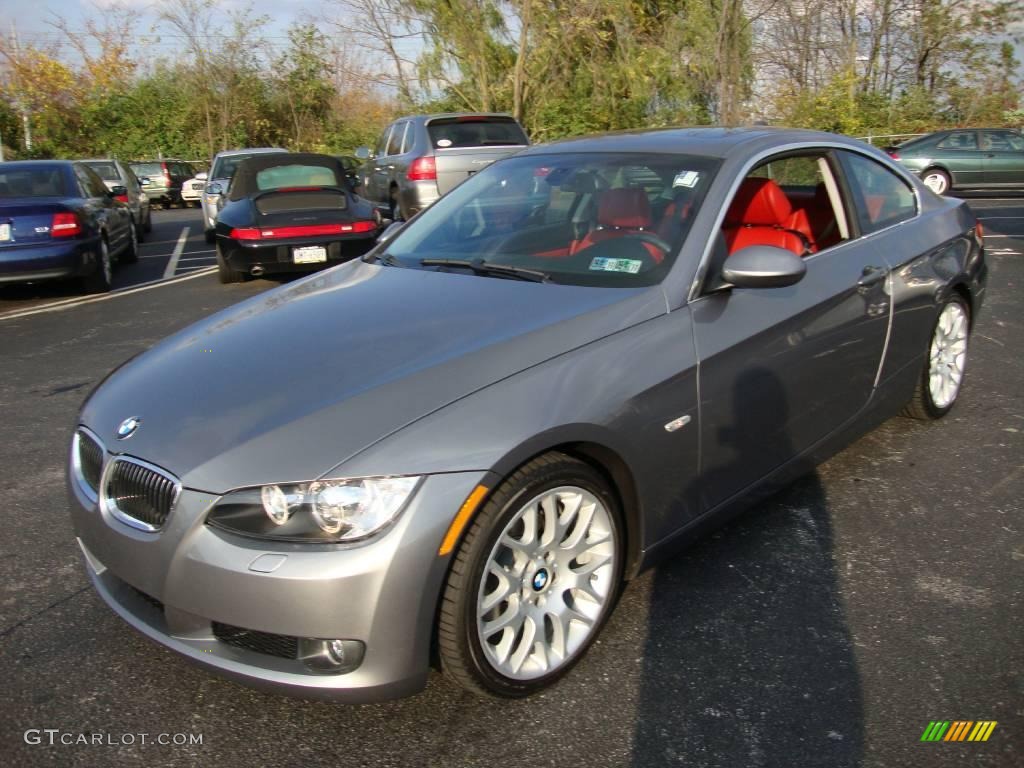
291	212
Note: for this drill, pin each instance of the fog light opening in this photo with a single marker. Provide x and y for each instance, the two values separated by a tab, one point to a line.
331	657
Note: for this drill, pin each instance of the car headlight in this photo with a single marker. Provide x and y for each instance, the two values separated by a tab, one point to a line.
321	511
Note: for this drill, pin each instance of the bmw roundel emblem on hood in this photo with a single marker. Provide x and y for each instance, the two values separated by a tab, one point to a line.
128	427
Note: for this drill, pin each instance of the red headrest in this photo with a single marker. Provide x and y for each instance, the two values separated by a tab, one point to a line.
626	207
759	202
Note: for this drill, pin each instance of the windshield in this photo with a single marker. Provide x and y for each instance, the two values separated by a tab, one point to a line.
107	171
40	181
614	220
456	132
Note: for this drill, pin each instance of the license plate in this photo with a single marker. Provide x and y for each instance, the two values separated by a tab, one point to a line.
311	254
5	233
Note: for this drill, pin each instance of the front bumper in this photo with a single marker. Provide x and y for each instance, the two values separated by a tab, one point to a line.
179	584
47	260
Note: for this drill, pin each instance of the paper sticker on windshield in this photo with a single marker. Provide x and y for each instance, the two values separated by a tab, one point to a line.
632	266
444	142
686	179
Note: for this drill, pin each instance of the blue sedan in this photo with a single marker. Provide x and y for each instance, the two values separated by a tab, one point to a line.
59	220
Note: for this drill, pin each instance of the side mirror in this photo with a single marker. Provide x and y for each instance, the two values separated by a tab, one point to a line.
202	176
763	266
364	153
117	190
390	231
215	188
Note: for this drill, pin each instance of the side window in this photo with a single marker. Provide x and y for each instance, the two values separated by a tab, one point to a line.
790	202
1001	141
959	140
408	139
395	142
881	198
382	142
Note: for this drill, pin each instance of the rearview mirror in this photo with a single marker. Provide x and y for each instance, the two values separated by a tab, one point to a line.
364	153
763	266
215	189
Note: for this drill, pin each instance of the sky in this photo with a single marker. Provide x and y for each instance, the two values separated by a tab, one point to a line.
30	18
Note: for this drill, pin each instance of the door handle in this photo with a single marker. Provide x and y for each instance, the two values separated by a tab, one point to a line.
871	275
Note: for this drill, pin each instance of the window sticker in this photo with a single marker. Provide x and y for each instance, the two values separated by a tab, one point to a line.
444	142
632	266
686	179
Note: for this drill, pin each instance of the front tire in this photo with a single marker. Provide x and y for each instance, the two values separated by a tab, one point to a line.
942	376
534	579
937	180
130	254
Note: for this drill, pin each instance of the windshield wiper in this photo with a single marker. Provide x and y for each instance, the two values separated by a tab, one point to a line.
481	267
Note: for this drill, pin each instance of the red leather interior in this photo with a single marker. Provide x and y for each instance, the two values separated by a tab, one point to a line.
621	212
761	214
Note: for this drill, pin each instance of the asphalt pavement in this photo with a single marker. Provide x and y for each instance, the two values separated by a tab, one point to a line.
826	627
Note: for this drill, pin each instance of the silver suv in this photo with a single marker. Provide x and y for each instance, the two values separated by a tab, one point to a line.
417	159
221	171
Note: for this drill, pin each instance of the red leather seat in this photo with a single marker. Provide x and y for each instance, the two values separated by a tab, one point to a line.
761	214
621	212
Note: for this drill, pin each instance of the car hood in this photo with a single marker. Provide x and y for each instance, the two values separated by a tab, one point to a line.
287	385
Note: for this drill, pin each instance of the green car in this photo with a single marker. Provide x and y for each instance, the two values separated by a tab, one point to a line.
965	158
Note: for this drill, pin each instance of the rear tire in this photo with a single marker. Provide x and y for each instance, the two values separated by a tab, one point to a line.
226	273
946	357
148	227
99	281
534	579
130	254
211	236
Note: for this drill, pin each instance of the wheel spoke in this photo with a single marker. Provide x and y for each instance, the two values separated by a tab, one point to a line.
576	533
525	645
511	616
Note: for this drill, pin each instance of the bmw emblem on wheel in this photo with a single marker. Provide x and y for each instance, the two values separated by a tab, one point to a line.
128	427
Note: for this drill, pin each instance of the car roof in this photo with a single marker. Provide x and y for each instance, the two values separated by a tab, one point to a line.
440	115
708	142
13	165
253	150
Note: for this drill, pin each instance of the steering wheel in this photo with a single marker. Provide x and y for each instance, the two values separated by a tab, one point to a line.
651	238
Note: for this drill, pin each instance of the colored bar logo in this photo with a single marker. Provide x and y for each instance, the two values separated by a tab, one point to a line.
958	730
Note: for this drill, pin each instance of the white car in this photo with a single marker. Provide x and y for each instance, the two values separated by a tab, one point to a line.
192	190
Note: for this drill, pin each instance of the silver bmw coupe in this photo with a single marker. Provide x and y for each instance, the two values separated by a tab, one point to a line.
456	449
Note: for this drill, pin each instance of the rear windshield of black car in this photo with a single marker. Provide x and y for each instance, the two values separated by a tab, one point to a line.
456	132
34	182
107	171
284	176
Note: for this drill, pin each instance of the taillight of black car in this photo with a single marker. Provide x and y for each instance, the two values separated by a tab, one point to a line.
308	230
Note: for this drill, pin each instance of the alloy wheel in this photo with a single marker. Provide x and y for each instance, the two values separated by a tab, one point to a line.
947	355
546	583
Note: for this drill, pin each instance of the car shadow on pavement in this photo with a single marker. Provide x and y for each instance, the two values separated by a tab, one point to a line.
748	660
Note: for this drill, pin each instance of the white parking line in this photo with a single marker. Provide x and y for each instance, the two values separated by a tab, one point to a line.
195	258
165	255
57	306
172	265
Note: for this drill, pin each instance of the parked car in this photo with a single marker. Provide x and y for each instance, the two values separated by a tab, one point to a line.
192	190
968	158
291	212
116	174
420	158
59	220
162	180
466	441
221	170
